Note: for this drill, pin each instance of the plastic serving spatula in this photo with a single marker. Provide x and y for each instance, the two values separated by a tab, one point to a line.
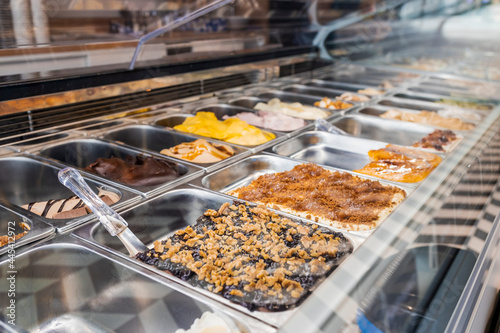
113	222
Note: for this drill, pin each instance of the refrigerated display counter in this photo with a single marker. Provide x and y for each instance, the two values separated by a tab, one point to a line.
382	208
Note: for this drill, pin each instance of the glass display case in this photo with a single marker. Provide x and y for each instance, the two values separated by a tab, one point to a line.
369	129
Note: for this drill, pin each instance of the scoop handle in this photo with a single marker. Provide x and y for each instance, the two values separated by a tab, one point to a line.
113	222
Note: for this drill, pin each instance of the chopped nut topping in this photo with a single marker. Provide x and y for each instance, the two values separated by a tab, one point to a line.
251	255
223	208
236	293
158	246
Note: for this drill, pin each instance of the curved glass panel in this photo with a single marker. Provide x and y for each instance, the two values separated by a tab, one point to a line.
392	26
59	38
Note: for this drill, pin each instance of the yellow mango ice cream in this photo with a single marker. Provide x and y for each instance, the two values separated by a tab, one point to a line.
232	130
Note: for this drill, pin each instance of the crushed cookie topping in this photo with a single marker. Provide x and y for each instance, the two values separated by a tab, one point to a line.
251	255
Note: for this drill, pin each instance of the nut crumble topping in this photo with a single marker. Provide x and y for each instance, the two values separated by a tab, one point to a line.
251	256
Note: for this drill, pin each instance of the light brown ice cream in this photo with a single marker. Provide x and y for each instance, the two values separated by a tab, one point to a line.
292	109
427	118
200	151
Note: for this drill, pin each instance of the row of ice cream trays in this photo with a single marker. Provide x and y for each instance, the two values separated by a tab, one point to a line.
356	81
238	177
315	147
309	92
407	106
181	206
468	64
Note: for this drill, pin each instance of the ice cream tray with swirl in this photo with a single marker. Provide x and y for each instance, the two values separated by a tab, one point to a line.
32	190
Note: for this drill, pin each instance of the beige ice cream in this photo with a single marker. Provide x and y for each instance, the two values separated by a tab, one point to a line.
350	97
68	208
465	115
427	118
370	92
270	120
386	84
465	104
200	151
292	109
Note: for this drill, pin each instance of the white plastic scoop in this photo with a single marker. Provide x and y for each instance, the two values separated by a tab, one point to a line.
110	219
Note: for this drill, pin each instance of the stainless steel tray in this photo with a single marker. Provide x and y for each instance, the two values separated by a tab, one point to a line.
264	97
26	141
158	218
370	73
103	126
6	150
305	99
314	91
176	119
247	102
230	109
90	291
361	80
80	153
10	225
341	86
245	171
454	86
221	110
289	97
446	84
370	76
58	134
453	83
86	123
155	139
384	130
27	180
250	102
448	92
146	116
379	109
333	150
479	88
434	98
33	138
278	83
410	56
417	105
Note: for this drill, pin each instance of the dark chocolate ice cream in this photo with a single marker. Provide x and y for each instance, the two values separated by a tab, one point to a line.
137	170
